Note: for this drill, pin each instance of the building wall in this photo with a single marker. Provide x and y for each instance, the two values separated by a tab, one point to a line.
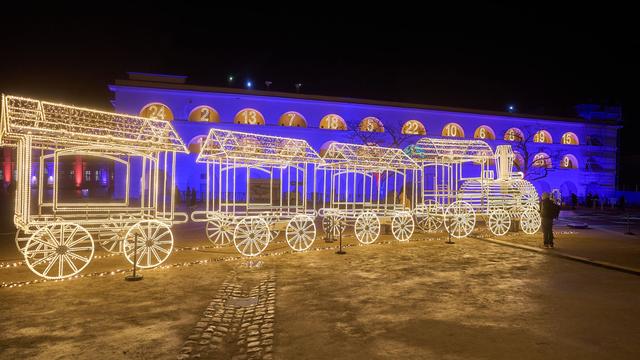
595	154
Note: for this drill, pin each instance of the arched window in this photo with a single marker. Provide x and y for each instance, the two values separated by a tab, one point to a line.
157	111
292	118
484	132
414	127
542	136
371	124
542	160
325	147
570	138
569	162
204	113
513	134
249	116
195	145
333	122
453	130
518	162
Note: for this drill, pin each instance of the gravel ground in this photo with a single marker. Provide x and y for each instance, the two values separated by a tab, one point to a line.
417	300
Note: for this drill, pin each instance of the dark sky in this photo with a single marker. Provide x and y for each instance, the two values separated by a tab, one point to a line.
541	57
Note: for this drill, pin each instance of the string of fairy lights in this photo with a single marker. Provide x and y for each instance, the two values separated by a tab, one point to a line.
20	284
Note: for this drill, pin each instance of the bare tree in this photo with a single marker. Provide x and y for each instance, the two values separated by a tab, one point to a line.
390	136
531	164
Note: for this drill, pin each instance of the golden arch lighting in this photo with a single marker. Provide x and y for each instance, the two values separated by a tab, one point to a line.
58	237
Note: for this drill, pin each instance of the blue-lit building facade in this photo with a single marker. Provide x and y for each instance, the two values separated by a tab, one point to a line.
575	155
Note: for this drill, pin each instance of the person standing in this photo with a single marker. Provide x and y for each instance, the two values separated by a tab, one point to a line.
193	197
548	211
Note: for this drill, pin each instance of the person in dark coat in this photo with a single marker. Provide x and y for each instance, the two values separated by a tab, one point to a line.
548	211
574	201
193	197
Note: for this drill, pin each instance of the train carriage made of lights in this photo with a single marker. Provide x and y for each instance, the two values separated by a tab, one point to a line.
58	237
252	211
448	197
366	186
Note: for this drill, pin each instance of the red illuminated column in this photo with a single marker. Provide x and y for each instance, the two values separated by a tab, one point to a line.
6	164
77	170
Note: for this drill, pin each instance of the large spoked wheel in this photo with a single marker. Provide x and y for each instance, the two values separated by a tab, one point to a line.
367	228
219	230
429	220
530	221
251	236
459	219
334	223
154	244
59	250
301	232
499	221
402	226
111	234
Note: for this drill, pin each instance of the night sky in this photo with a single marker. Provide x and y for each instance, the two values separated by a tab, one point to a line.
542	58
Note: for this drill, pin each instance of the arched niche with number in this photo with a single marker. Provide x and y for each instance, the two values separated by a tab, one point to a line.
414	127
542	136
513	134
293	119
371	124
157	111
204	113
570	138
542	160
333	122
453	130
195	145
569	162
249	116
518	162
484	132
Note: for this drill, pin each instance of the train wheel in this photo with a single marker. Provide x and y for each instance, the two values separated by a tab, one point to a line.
334	223
251	236
271	219
402	226
367	228
59	250
530	221
219	230
112	233
301	232
154	245
21	240
499	221
459	219
429	220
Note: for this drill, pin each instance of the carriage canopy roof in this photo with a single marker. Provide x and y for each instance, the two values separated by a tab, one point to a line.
54	125
449	150
367	157
256	149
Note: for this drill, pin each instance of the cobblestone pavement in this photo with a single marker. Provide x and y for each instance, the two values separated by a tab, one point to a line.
237	324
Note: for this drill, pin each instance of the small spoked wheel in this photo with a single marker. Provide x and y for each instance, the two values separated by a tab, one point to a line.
219	230
530	221
429	220
499	221
251	236
367	228
271	219
459	219
402	226
154	245
112	233
59	250
334	223
301	232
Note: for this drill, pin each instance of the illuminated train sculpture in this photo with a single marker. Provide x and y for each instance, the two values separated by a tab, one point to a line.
286	184
280	167
447	196
58	239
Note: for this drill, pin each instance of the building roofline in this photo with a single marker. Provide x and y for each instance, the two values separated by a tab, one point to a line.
237	91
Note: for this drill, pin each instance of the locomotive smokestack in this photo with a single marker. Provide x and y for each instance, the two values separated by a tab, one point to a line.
504	161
